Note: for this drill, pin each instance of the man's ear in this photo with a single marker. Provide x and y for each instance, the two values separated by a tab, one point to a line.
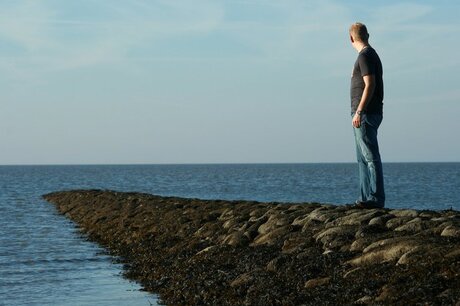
351	38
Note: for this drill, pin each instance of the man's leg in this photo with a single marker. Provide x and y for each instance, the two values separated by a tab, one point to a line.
367	145
362	169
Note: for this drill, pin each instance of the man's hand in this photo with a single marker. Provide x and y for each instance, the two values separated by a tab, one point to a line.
356	122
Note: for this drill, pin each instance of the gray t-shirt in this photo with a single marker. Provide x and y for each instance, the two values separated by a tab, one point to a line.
367	63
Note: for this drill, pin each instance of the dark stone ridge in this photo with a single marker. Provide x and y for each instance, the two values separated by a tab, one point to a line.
209	252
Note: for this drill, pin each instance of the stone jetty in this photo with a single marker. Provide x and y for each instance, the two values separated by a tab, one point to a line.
213	252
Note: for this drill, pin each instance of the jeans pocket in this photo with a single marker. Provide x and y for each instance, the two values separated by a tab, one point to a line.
373	120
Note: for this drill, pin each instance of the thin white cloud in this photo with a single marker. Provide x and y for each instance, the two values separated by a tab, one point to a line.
41	33
39	27
22	24
299	27
412	41
400	13
311	31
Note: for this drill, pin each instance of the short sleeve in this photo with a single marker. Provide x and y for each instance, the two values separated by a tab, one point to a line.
365	65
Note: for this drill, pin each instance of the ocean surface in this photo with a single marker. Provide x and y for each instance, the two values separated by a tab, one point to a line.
44	260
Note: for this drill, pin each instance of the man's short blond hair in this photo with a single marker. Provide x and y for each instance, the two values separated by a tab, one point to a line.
359	32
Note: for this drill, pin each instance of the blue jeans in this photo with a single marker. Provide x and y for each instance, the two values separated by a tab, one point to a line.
370	165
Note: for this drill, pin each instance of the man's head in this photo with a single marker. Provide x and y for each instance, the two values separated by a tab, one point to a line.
358	33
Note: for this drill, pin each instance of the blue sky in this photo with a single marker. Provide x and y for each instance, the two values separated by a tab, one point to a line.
95	81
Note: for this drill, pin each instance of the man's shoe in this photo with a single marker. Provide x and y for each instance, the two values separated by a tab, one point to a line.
368	204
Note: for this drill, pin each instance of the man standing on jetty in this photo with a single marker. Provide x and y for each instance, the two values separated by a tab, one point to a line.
367	112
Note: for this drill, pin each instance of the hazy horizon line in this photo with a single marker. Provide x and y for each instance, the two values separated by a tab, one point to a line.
220	163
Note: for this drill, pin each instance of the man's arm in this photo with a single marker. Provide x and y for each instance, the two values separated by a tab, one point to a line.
369	87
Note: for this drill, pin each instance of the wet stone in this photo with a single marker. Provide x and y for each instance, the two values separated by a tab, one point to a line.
453	253
235	239
313	283
418	254
404	213
357	218
352	272
226	214
273	222
380	220
252	231
300	220
428	214
440	219
370	231
276	264
413	226
384	251
295	244
440	228
242	280
451	231
397	222
311	224
229	224
261	219
365	300
335	237
321	214
271	237
256	213
359	245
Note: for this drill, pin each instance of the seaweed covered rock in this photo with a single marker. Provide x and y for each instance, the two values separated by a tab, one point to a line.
212	252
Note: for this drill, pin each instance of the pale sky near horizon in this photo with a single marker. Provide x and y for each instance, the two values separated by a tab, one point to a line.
237	81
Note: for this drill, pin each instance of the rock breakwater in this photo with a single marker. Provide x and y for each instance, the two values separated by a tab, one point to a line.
211	252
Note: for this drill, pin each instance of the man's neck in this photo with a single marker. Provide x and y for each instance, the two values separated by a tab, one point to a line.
360	46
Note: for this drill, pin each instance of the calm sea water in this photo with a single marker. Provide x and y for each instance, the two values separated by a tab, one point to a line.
44	261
